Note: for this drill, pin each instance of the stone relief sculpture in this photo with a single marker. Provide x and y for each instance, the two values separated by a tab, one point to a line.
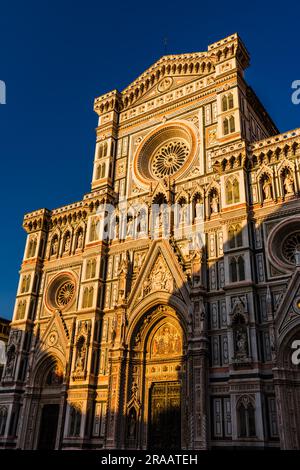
214	203
11	356
81	355
159	279
241	343
83	334
54	246
267	190
80	240
67	244
288	185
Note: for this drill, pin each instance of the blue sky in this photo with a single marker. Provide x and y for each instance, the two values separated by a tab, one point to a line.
55	57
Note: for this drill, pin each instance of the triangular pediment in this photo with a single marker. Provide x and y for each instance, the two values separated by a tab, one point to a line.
173	71
288	312
165	85
160	272
55	337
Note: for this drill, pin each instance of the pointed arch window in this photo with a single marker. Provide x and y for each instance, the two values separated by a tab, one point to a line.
235	236
75	421
102	152
90	269
87	298
228	125
21	310
32	248
232	191
224	103
231	124
246	418
233	270
237	268
241	268
227	102
225	126
3	419
25	284
103	168
98	172
93	230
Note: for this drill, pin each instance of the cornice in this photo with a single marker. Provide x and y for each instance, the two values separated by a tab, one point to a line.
199	63
206	97
275	142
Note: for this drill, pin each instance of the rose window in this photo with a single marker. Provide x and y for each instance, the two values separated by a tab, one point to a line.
169	158
60	292
291	246
65	294
167	152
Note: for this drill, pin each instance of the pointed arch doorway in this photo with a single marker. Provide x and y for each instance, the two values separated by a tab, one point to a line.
50	408
287	391
156	411
165	415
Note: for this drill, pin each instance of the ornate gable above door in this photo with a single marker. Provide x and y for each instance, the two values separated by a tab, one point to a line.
160	272
288	313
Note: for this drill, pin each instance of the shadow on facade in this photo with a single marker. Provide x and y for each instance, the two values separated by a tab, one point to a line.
199	353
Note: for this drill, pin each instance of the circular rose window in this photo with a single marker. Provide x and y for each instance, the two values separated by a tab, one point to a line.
169	158
166	152
65	294
284	244
290	246
61	292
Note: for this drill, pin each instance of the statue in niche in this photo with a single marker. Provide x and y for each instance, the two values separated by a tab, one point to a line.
288	185
2	353
114	326
132	424
199	210
117	229
241	343
80	240
267	190
67	244
143	223
54	247
214	203
115	295
123	272
81	354
129	232
185	214
10	362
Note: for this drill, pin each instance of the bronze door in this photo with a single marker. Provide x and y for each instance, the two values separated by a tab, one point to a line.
48	427
165	416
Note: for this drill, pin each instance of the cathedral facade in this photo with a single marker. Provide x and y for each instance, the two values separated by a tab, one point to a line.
162	310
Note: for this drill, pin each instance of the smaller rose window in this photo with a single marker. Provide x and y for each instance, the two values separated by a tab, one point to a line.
169	158
291	247
65	294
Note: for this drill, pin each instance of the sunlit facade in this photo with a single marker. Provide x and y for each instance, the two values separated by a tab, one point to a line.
170	321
